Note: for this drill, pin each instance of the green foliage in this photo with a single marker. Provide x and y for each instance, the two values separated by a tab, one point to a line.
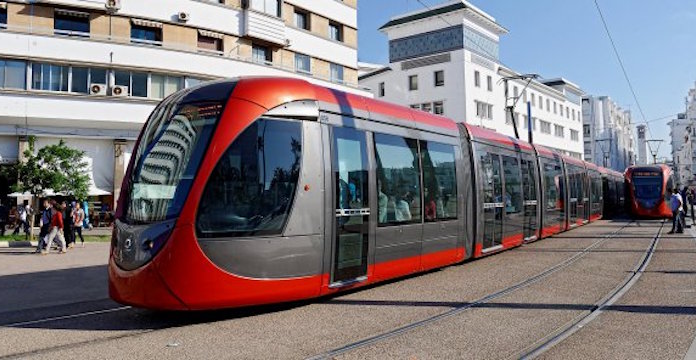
56	167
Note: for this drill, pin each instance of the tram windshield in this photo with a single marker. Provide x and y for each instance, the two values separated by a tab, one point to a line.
169	153
648	186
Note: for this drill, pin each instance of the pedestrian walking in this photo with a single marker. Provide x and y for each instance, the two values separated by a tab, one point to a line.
676	203
22	218
56	230
46	215
78	223
690	204
67	223
4	215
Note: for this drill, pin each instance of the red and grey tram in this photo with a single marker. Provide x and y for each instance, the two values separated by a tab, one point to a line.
262	190
649	190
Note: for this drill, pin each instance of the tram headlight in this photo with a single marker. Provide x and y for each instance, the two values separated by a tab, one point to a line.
136	245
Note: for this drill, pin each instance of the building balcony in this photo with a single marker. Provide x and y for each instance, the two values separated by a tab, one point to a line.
265	27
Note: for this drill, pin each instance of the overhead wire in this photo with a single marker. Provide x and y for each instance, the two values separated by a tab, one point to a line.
621	64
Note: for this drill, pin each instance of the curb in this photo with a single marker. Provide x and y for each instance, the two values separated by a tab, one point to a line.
18	244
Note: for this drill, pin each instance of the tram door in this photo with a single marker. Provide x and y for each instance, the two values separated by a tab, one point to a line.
493	205
351	199
529	184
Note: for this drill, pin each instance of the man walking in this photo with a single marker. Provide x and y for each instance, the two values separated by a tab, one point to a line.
46	215
56	230
78	222
676	204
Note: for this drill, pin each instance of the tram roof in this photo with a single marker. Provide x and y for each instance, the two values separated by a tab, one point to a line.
490	136
270	92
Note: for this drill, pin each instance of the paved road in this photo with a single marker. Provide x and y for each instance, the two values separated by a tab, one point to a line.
654	319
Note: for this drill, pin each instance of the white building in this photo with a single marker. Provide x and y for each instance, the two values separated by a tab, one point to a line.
682	141
607	133
445	60
91	71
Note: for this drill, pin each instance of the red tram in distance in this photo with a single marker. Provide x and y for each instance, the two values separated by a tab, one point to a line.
263	190
649	190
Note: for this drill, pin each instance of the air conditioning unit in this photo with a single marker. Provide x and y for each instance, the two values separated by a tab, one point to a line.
113	5
97	89
119	90
183	16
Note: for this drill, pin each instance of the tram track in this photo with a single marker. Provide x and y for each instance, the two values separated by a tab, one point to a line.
347	348
570	328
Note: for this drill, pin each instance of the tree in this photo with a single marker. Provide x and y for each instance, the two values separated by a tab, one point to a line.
54	167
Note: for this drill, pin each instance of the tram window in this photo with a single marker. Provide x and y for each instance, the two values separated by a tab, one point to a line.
252	188
513	186
439	180
551	179
398	180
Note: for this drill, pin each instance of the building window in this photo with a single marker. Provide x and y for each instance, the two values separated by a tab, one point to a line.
567	112
427	107
415	106
573	114
524	96
302	64
270	7
82	78
381	89
541	102
438	108
141	34
3	18
136	83
561	110
261	54
210	43
336	73
162	86
439	78
533	98
586	130
335	31
72	23
555	108
413	82
484	110
49	77
301	19
548	105
574	135
558	131
515	91
13	74
477	79
545	126
489	81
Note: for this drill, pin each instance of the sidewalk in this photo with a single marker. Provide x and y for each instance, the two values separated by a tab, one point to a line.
102	231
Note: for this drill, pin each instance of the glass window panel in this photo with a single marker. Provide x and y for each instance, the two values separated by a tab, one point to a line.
2	73
72	25
57	77
439	181
122	78
398	180
148	34
79	80
253	186
3	17
336	73
512	197
302	63
301	20
15	75
272	7
209	43
97	76
139	84
191	82
157	86
172	85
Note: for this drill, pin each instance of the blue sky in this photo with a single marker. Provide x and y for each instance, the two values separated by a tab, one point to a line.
553	38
